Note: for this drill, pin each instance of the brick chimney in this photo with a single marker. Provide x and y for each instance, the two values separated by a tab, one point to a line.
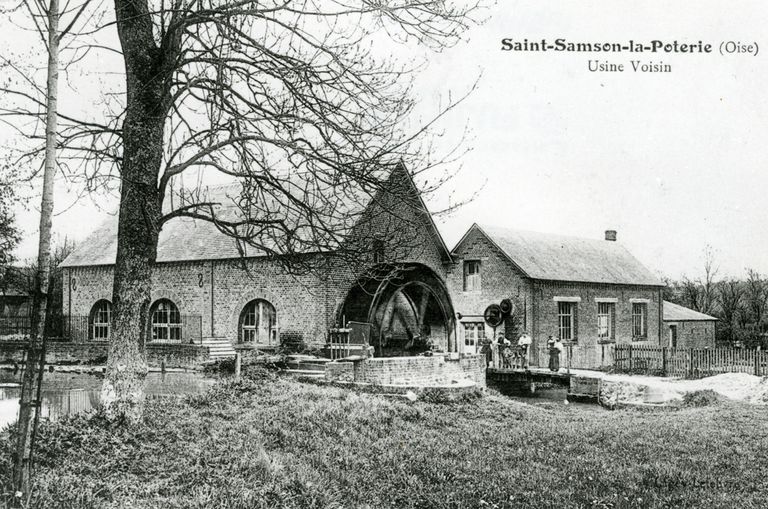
610	235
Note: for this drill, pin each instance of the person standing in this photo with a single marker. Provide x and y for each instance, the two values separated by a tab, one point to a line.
485	349
524	344
554	354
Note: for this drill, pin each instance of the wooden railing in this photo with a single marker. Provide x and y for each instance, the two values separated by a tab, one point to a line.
508	357
689	363
339	345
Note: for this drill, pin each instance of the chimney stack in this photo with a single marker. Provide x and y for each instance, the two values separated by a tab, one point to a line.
610	235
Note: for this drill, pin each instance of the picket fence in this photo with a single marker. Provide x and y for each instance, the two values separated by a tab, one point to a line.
688	363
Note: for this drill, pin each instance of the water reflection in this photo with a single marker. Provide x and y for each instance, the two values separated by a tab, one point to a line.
72	393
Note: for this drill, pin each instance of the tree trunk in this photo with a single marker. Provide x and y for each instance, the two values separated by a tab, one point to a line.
29	402
122	394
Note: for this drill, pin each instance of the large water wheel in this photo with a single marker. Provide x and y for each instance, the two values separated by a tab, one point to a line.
408	306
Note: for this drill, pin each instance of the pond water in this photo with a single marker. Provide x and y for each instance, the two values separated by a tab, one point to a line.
72	393
550	396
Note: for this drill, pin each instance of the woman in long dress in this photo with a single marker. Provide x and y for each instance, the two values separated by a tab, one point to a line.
554	355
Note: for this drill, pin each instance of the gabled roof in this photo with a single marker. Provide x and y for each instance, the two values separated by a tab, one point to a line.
677	313
562	258
188	239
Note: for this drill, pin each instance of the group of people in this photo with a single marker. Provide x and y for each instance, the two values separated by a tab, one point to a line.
503	345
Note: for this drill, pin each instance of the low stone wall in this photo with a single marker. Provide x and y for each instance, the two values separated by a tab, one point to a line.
92	352
437	370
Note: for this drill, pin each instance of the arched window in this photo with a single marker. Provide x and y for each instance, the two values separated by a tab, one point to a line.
100	320
165	321
258	323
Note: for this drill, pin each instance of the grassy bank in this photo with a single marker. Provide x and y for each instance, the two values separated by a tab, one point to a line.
272	442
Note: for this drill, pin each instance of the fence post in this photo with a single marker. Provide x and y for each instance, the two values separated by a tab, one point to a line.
692	356
757	362
664	361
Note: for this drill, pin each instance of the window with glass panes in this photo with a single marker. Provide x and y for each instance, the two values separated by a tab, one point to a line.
474	334
472	275
566	320
166	321
606	318
258	323
639	320
101	315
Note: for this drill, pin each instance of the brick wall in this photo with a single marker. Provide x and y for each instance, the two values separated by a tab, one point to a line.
546	312
546	322
307	304
500	279
535	301
691	334
174	356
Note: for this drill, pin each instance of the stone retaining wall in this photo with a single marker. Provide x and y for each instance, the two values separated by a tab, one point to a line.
411	371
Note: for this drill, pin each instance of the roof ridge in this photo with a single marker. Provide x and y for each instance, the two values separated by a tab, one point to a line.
557	257
486	226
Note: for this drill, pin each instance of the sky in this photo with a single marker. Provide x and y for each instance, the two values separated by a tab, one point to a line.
673	161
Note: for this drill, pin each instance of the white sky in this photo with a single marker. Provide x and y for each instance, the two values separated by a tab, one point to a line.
672	161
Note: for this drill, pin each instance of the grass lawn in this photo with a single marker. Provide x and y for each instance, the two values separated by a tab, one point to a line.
274	442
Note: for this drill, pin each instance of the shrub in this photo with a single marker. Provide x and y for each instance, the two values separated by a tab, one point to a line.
447	396
226	365
702	398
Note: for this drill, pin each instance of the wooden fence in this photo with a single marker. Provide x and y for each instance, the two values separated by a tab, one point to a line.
689	363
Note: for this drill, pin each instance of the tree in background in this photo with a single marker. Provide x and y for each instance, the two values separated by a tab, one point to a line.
689	294
730	295
9	233
756	297
739	304
708	292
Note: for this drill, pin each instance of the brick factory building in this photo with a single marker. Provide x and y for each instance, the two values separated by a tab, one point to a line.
209	290
407	285
593	293
686	328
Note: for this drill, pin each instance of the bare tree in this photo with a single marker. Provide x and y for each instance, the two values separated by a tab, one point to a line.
46	19
756	296
283	96
731	296
690	294
294	100
707	287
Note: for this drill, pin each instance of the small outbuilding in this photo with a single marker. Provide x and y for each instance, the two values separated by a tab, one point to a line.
687	328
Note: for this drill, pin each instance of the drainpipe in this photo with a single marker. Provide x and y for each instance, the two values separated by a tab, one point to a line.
661	315
69	303
213	333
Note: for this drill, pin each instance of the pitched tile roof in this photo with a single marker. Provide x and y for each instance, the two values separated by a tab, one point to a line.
677	313
188	239
563	258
